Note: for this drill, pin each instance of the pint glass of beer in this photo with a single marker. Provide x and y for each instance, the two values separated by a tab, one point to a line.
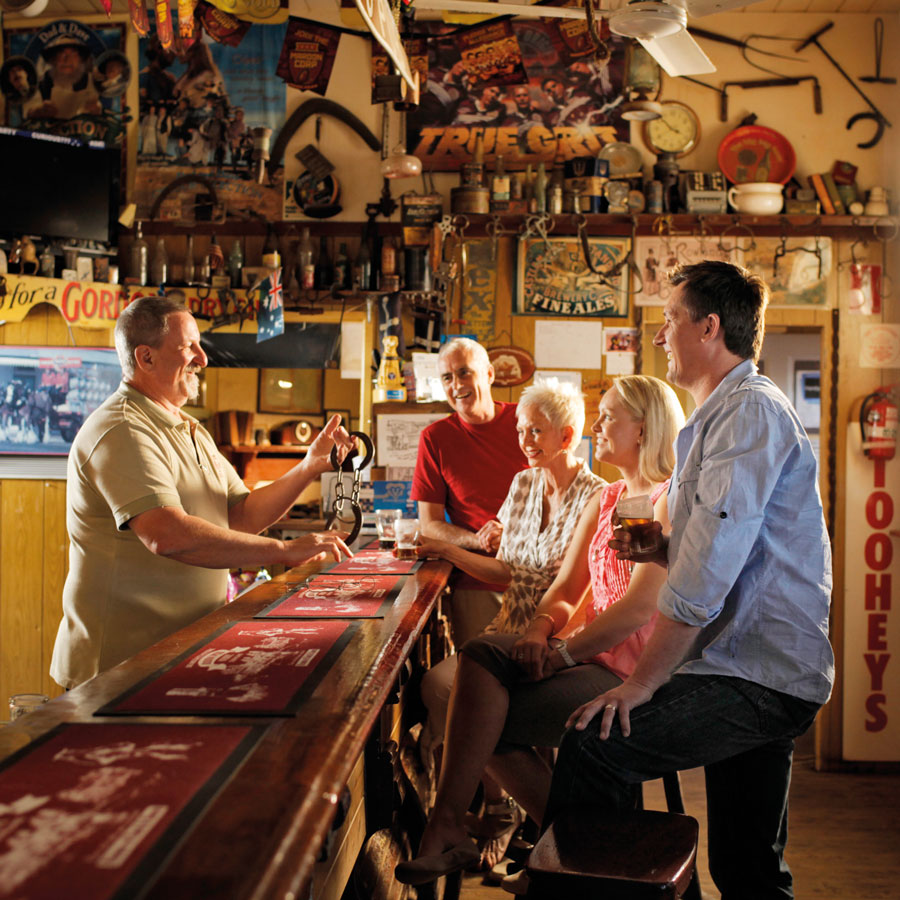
636	516
385	520
406	533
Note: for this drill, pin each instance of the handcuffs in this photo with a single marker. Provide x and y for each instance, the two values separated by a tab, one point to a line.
354	463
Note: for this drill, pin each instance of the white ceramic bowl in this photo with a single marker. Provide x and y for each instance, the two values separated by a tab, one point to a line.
759	198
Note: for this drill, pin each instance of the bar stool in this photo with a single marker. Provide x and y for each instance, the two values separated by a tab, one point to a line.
589	854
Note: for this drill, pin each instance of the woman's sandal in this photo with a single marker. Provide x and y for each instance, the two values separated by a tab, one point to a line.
496	819
424	869
501	827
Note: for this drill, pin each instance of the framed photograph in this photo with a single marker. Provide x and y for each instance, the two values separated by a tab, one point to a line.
291	391
46	393
554	279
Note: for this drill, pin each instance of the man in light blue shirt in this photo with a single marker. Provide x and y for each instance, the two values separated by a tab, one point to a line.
739	662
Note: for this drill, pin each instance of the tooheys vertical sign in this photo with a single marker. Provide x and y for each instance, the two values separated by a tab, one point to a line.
380	21
871	711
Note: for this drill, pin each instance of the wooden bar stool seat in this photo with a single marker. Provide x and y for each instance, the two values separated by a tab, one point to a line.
595	855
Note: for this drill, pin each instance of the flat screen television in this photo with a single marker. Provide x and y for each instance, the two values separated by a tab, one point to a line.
57	187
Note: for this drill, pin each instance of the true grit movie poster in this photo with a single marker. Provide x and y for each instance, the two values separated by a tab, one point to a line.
532	90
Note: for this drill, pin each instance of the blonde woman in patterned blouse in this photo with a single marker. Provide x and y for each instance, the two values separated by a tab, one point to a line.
514	692
535	527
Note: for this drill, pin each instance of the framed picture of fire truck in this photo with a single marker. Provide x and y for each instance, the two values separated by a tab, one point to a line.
46	393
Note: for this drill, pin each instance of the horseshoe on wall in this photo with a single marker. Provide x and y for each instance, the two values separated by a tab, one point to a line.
179	182
316	106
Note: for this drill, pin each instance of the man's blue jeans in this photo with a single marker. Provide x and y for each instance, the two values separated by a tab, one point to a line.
741	732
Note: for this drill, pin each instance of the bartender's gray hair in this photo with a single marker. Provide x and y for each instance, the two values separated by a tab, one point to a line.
560	401
143	321
472	349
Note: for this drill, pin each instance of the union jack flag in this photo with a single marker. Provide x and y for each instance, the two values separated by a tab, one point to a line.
270	319
275	294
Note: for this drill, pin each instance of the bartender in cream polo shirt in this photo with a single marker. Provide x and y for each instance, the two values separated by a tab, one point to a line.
155	514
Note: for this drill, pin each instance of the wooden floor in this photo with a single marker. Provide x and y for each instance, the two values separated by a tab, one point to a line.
844	835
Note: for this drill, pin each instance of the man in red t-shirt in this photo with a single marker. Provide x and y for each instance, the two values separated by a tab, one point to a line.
464	467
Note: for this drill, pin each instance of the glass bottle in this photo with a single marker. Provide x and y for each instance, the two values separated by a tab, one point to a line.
189	267
362	268
271	258
235	263
342	268
500	185
306	266
140	254
48	262
540	189
389	381
160	269
324	268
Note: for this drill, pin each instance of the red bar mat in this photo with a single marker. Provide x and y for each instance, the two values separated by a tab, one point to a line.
337	597
249	668
91	812
374	562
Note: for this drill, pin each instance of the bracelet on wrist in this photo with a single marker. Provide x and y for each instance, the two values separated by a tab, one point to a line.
549	618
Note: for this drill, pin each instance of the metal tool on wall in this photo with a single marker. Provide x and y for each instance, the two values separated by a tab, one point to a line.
769	82
876	115
878	78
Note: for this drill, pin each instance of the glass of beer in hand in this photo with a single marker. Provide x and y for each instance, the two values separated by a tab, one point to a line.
636	516
406	533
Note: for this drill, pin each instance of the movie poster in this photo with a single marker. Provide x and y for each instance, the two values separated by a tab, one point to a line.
205	116
566	104
66	78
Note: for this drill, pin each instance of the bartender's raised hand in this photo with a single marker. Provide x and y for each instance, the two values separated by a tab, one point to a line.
316	547
318	457
489	535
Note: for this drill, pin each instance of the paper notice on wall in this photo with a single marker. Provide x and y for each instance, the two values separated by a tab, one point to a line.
398	437
352	340
619	363
879	346
562	376
568	345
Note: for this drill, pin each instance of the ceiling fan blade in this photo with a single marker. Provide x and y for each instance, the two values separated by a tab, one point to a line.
678	54
697	8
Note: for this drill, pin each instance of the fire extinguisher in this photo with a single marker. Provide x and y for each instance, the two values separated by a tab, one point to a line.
878	423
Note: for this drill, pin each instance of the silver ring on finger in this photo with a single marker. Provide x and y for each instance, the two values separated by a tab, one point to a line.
610	706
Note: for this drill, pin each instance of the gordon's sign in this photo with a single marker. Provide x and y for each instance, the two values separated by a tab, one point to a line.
91	304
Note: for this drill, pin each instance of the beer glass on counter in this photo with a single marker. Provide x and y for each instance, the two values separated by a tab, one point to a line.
385	522
636	516
21	704
406	532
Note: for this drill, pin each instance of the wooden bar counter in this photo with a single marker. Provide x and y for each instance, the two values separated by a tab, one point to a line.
262	835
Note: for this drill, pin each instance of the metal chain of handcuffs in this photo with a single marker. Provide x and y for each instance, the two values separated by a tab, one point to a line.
355	463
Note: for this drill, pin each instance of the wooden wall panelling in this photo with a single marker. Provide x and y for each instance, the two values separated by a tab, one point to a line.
55	566
21	586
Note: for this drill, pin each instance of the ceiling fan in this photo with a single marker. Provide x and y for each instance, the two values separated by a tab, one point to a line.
659	26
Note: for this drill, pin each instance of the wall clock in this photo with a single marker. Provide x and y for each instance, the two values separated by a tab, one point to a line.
677	131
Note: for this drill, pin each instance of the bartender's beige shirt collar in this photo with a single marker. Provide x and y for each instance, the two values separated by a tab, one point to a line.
157	412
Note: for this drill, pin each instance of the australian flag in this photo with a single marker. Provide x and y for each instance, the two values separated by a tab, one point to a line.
270	321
